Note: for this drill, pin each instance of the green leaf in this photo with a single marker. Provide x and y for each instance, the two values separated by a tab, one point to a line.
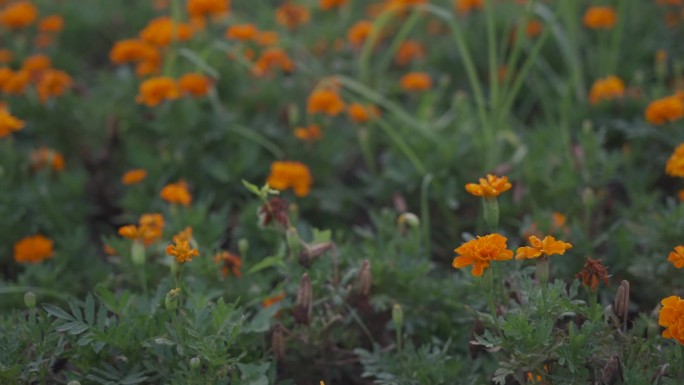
90	309
252	188
266	263
57	312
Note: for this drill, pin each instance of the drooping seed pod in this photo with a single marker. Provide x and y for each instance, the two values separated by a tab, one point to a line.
364	279
612	371
621	304
278	342
311	252
304	301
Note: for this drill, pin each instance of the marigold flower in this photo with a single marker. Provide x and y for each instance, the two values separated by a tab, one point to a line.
132	50
270	301
325	101
149	230
676	257
9	123
182	251
664	110
492	186
267	38
359	32
290	174
546	247
33	249
242	32
36	63
18	15
311	133
409	50
600	17
672	318
47	157
134	176
592	272
675	164
51	24
480	253
464	7
176	193
416	81
534	28
231	263
272	58
14	82
194	84
202	8
359	113
53	83
608	88
154	91
163	30
331	4
6	56
43	40
184	235
291	15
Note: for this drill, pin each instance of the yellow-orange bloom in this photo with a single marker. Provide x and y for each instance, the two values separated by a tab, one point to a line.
18	15
194	84
43	40
132	50
273	58
490	187
331	4
182	251
53	83
176	193
608	88
672	318
600	17
359	32
14	82
149	230
546	247
311	133
184	235
36	63
51	24
675	165
480	253
270	301
230	262
44	157
664	110
163	30
325	101
416	81
202	8
33	249
9	123
676	257
154	91
134	176
360	114
291	15
409	50
267	38
289	174
242	32
465	6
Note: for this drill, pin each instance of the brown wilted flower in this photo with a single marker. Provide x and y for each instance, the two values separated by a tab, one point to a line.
230	263
274	211
304	301
592	272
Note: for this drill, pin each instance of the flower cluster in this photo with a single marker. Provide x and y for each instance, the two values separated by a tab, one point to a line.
289	174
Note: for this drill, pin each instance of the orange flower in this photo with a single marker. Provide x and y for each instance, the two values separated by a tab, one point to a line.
359	32
361	114
14	82
9	123
548	246
672	318
33	249
182	251
465	6
108	249
6	56
202	8
680	195
663	110
231	263
675	164
480	252
18	15
490	187
676	257
292	15
52	83
289	174
534	28
311	133
132	50
176	193
330	4
416	81
611	87
44	156
325	101
267	38
36	63
272	58
149	230
134	176
184	235
51	24
154	91
242	32
163	30
270	301
408	51
194	84
600	17
43	40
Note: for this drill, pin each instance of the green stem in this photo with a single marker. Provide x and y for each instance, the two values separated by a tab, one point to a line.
425	213
403	146
366	149
493	59
36	290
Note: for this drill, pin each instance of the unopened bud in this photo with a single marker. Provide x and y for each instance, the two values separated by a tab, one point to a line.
410	220
293	240
621	303
171	300
365	279
311	252
138	253
243	247
304	301
398	316
278	342
30	300
194	362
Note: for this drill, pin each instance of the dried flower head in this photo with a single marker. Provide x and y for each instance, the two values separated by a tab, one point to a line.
33	249
480	252
592	272
230	263
182	251
489	187
672	318
289	174
548	246
664	110
274	211
176	193
675	164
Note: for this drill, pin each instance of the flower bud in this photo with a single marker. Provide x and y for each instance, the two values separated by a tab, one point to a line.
138	253
409	219
621	303
311	252
364	279
171	300
293	240
30	300
194	362
243	247
304	301
278	342
612	371
398	316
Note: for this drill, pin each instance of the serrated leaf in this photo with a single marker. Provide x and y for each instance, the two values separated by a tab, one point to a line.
90	309
75	309
58	312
